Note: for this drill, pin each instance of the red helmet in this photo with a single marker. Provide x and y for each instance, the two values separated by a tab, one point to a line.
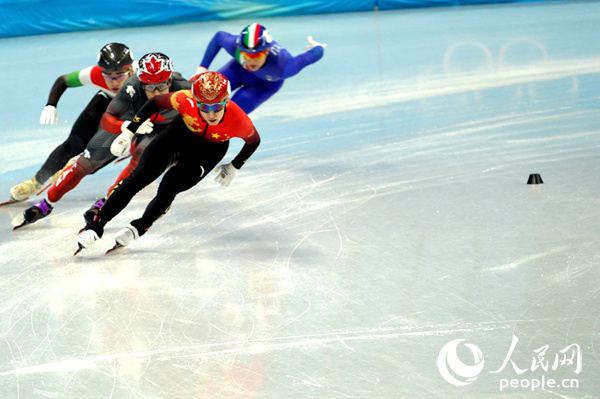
154	68
210	88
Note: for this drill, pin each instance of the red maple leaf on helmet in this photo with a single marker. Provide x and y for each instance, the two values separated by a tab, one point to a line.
153	65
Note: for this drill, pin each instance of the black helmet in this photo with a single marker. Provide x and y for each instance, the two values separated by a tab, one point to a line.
115	57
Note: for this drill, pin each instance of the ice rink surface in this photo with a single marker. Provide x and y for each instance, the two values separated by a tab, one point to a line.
382	242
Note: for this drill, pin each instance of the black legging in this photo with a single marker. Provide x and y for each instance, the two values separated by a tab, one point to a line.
196	157
82	132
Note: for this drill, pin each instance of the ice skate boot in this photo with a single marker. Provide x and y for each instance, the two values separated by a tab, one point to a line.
91	213
37	211
128	235
33	214
22	191
88	236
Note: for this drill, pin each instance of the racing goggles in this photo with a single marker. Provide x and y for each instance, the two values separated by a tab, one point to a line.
115	76
215	107
254	56
156	86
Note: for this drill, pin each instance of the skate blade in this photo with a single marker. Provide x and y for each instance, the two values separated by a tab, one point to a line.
44	188
117	246
123	158
78	250
21	225
12	201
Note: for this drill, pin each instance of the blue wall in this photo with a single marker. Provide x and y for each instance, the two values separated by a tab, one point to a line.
36	17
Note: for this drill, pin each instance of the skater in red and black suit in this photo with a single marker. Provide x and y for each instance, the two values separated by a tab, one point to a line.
115	65
154	76
200	136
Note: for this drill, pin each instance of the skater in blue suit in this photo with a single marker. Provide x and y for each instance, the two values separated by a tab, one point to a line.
259	66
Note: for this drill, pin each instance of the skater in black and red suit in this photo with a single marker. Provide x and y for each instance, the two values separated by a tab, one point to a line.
154	76
115	65
200	136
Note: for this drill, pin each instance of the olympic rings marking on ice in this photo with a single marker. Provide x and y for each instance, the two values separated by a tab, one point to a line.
469	43
504	49
501	61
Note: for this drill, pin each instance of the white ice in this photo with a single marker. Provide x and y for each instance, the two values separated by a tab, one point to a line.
385	215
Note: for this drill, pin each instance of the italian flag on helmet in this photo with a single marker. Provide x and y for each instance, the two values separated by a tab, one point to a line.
254	38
